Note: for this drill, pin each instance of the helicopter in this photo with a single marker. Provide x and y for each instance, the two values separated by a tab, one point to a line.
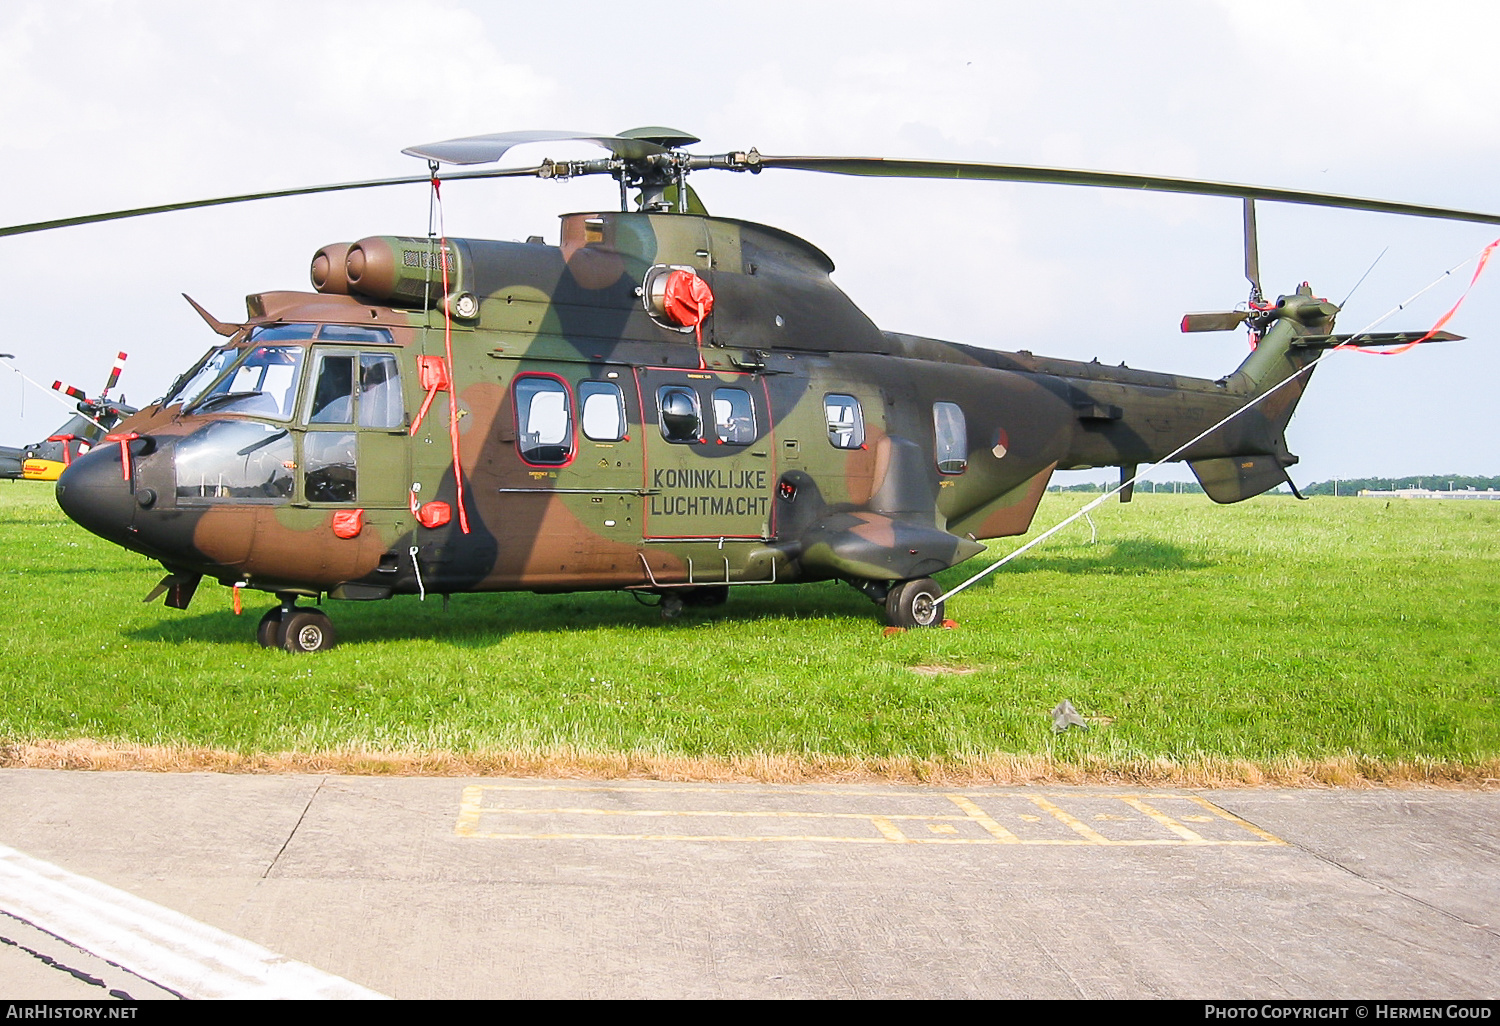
91	421
666	402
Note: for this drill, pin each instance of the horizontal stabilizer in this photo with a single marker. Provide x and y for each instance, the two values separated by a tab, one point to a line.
1235	478
1372	338
1225	320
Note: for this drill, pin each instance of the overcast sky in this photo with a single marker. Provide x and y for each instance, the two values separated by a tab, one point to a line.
120	104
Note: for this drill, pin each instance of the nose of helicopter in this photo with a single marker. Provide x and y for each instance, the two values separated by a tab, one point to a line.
93	491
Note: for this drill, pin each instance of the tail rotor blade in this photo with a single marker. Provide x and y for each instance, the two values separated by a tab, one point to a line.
70	391
1226	320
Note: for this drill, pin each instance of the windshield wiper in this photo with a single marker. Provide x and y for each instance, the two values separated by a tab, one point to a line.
222	397
247	450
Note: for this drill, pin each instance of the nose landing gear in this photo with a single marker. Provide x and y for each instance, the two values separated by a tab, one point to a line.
295	630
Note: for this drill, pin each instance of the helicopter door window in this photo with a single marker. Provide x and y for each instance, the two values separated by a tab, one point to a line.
380	404
846	422
328	457
543	421
681	418
603	410
952	438
332	400
734	416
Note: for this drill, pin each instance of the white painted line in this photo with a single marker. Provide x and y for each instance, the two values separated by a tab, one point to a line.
166	947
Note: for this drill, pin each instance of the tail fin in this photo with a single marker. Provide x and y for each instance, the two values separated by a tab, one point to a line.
1295	330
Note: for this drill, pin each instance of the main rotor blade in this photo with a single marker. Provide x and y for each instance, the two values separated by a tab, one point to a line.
880	167
116	215
481	149
1252	249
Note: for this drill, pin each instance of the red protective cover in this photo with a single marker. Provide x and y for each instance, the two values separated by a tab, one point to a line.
433	372
347	523
434	514
687	299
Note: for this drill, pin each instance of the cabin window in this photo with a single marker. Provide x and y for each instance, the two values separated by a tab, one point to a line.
846	422
235	459
734	416
603	413
952	438
328	463
681	417
544	420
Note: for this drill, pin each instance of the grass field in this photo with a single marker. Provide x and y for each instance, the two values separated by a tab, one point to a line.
1334	640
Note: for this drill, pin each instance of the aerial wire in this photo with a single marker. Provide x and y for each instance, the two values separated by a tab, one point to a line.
66	405
1482	256
1362	277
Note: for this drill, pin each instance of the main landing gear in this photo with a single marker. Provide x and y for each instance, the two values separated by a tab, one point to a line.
296	630
907	603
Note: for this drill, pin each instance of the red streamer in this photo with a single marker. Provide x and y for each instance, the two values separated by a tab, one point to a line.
1483	259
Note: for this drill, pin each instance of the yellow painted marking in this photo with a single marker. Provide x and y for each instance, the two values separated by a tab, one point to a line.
1109	815
884	827
1165	820
709	813
469	808
978	815
1093	835
1237	821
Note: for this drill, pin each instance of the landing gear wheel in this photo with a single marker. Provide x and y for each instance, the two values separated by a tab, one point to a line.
671	607
308	630
706	597
914	604
269	632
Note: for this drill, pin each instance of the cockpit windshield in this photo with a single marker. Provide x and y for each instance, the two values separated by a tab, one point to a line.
208	368
263	383
259	379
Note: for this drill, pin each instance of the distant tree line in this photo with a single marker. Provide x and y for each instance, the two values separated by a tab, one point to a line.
1345	485
1141	487
1438	482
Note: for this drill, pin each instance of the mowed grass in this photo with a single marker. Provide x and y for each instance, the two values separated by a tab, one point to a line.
1260	635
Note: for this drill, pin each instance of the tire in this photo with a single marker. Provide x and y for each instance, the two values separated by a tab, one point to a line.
269	632
914	604
706	597
308	630
671	607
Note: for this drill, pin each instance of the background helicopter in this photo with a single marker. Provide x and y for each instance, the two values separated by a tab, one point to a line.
47	459
676	404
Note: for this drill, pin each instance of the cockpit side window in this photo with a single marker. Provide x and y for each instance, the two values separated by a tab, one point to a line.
380	401
332	399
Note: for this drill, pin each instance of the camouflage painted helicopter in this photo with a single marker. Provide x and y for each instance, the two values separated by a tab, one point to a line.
666	402
91	420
